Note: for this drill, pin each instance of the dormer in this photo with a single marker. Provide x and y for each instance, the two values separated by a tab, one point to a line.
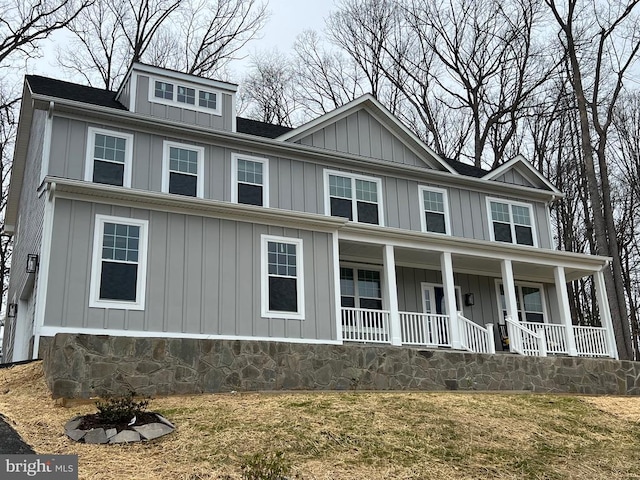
180	97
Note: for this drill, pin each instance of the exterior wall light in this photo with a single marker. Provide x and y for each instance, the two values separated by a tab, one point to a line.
469	299
12	309
32	263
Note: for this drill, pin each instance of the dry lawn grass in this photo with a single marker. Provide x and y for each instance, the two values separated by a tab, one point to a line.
351	435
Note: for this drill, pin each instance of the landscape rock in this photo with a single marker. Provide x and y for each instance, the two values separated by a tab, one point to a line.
125	436
96	435
75	434
153	430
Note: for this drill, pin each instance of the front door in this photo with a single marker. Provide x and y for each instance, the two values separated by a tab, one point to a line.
433	304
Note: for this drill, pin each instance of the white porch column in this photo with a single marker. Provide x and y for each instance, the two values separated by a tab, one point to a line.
391	293
565	311
605	312
509	286
446	265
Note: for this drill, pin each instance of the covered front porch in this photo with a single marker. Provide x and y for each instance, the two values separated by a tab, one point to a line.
484	298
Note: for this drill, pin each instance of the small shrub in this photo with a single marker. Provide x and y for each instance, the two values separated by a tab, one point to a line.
262	466
120	409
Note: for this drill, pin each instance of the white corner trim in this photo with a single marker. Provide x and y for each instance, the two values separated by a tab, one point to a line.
46	143
89	156
96	264
336	284
166	170
133	92
264	278
445	199
234	176
43	271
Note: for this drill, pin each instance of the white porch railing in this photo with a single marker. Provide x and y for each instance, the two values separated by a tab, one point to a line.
525	341
364	325
476	338
591	341
555	335
425	329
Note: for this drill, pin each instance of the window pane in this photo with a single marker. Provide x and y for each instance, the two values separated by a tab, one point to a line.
187	95
108	173
249	172
118	281
120	242
435	222
369	283
282	259
347	286
339	187
109	148
371	303
208	99
283	294
521	215
368	213
532	299
524	235
183	160
250	194
502	232
347	301
367	191
500	212
182	184
433	201
341	207
164	90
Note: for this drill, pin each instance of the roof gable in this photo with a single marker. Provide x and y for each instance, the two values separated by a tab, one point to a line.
519	171
365	127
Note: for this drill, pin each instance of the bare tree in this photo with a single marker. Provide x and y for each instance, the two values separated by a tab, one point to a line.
268	89
194	36
601	42
325	79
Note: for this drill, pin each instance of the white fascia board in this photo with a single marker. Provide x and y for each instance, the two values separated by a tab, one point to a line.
471	247
519	160
379	112
165	202
263	146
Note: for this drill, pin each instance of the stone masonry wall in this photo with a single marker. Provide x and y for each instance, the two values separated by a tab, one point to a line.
89	365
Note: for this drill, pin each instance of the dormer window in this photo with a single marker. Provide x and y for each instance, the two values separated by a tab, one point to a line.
208	100
185	95
164	90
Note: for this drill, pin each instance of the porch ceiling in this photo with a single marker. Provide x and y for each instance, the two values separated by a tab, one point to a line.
430	260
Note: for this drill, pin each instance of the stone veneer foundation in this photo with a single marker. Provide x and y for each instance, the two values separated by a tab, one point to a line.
88	365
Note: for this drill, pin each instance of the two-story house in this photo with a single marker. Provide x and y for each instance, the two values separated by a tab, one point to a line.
154	211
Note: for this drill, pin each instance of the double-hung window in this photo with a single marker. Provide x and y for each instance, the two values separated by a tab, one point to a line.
355	197
118	277
529	302
183	170
435	210
250	180
360	288
511	222
282	277
108	157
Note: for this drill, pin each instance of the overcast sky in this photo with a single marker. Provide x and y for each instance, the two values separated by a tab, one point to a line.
288	19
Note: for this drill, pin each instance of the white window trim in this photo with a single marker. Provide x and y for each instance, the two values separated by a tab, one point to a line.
265	176
445	199
96	264
264	278
166	145
175	103
354	207
545	313
128	155
534	232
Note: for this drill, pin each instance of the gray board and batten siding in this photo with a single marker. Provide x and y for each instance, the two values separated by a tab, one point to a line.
203	276
28	233
294	184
